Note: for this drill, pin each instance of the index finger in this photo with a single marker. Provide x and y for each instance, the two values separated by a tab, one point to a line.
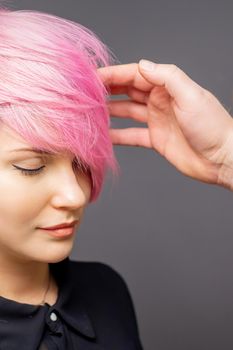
124	75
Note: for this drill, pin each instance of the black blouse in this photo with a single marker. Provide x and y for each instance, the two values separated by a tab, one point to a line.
93	311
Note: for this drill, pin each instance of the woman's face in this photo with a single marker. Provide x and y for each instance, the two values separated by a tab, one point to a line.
52	196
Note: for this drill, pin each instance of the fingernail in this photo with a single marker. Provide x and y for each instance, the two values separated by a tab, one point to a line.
147	65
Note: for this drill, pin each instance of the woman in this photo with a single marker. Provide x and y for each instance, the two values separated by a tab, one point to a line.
52	102
55	149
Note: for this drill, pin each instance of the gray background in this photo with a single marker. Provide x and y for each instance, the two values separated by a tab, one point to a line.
169	236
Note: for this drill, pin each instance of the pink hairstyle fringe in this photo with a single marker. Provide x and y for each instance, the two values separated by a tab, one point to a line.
50	92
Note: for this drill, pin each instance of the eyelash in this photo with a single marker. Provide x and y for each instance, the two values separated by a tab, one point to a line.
29	172
32	172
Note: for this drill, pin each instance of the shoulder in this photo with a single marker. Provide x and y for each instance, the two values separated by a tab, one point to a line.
107	293
96	272
106	281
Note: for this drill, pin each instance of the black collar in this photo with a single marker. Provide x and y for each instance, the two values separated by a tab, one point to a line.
18	320
70	303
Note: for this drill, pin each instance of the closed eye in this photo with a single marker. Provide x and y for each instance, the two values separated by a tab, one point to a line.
29	172
77	167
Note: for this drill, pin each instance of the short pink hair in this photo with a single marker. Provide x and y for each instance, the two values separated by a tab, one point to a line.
50	92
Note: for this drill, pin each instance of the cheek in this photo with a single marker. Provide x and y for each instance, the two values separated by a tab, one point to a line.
86	184
18	201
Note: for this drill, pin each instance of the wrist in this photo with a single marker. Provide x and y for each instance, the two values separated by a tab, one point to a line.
225	174
226	177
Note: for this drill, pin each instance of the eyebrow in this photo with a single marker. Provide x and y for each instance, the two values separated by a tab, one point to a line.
34	150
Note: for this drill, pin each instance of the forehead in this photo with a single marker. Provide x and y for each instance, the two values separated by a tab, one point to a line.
12	143
9	139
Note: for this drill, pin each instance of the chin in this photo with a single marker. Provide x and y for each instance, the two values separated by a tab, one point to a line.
53	254
56	259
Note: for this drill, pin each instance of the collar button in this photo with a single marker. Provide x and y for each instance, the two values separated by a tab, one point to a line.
53	317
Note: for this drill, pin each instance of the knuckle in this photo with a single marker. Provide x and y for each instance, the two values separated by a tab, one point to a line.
200	94
130	107
207	94
194	95
174	69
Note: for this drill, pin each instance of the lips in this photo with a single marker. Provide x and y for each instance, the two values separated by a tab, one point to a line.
60	226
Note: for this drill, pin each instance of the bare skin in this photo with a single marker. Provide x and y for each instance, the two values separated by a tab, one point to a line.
185	123
56	195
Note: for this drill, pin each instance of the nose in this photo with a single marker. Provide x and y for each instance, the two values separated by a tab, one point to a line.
69	190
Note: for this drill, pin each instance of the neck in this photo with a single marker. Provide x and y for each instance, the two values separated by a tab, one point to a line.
24	281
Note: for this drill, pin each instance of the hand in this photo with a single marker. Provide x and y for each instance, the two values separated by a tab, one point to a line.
186	123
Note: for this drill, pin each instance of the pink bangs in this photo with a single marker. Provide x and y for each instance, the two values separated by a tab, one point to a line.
50	92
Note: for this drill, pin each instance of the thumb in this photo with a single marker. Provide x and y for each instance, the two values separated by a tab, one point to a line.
178	84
